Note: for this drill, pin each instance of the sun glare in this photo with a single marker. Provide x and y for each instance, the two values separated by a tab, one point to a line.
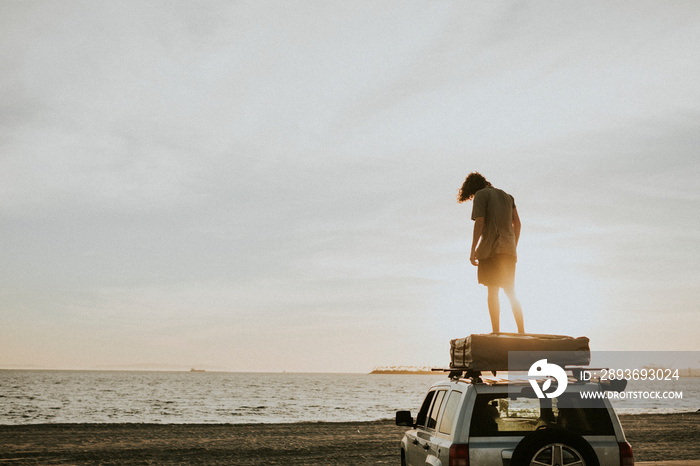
557	294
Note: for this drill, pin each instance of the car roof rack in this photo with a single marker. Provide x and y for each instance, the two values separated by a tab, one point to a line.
475	376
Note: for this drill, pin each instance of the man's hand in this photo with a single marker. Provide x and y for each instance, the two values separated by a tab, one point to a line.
476	237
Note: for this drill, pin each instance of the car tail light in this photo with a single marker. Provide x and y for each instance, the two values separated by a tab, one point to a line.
626	455
459	454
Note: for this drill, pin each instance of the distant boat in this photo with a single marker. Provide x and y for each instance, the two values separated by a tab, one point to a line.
197	370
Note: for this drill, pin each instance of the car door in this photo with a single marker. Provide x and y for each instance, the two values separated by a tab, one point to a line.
416	453
424	444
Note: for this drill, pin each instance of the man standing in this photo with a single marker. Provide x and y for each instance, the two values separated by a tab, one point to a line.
494	243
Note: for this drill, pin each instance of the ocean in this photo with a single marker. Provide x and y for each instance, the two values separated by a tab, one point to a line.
33	396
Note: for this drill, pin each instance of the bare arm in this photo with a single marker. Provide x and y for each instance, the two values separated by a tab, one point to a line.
516	225
478	229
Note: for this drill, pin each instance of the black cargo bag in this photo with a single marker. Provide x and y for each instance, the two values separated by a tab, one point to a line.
489	352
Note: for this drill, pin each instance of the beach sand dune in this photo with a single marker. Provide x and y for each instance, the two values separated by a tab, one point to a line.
653	437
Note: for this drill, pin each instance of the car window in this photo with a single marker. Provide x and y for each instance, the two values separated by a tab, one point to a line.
448	418
500	415
423	413
435	411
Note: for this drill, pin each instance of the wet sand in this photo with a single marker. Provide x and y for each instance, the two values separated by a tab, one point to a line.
654	437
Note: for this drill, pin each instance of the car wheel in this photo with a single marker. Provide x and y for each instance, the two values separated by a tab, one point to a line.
554	447
403	458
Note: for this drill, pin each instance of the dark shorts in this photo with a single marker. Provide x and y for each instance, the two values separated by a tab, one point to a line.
498	270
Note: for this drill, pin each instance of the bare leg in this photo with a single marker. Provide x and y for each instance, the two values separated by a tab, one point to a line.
494	307
516	307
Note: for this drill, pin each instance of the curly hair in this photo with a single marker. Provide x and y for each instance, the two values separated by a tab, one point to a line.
474	182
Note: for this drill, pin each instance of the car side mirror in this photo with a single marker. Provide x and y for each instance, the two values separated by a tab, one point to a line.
404	418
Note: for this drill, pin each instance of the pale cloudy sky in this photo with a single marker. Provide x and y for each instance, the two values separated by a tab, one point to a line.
271	185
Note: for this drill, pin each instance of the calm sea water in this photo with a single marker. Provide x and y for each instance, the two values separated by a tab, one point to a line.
183	397
208	397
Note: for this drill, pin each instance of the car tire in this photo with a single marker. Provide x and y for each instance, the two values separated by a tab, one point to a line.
554	447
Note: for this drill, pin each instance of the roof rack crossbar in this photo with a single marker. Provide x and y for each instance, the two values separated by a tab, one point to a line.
475	375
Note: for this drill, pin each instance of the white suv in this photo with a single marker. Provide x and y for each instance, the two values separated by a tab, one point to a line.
480	422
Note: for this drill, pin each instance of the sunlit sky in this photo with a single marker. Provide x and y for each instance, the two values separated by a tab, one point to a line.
268	186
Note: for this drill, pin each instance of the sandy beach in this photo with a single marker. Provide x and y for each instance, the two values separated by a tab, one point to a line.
654	437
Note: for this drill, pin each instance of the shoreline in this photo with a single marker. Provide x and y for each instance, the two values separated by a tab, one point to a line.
277	423
654	437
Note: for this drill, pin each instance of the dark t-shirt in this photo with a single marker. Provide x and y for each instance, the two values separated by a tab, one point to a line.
498	237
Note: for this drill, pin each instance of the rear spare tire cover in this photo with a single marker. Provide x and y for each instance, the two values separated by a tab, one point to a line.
554	447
